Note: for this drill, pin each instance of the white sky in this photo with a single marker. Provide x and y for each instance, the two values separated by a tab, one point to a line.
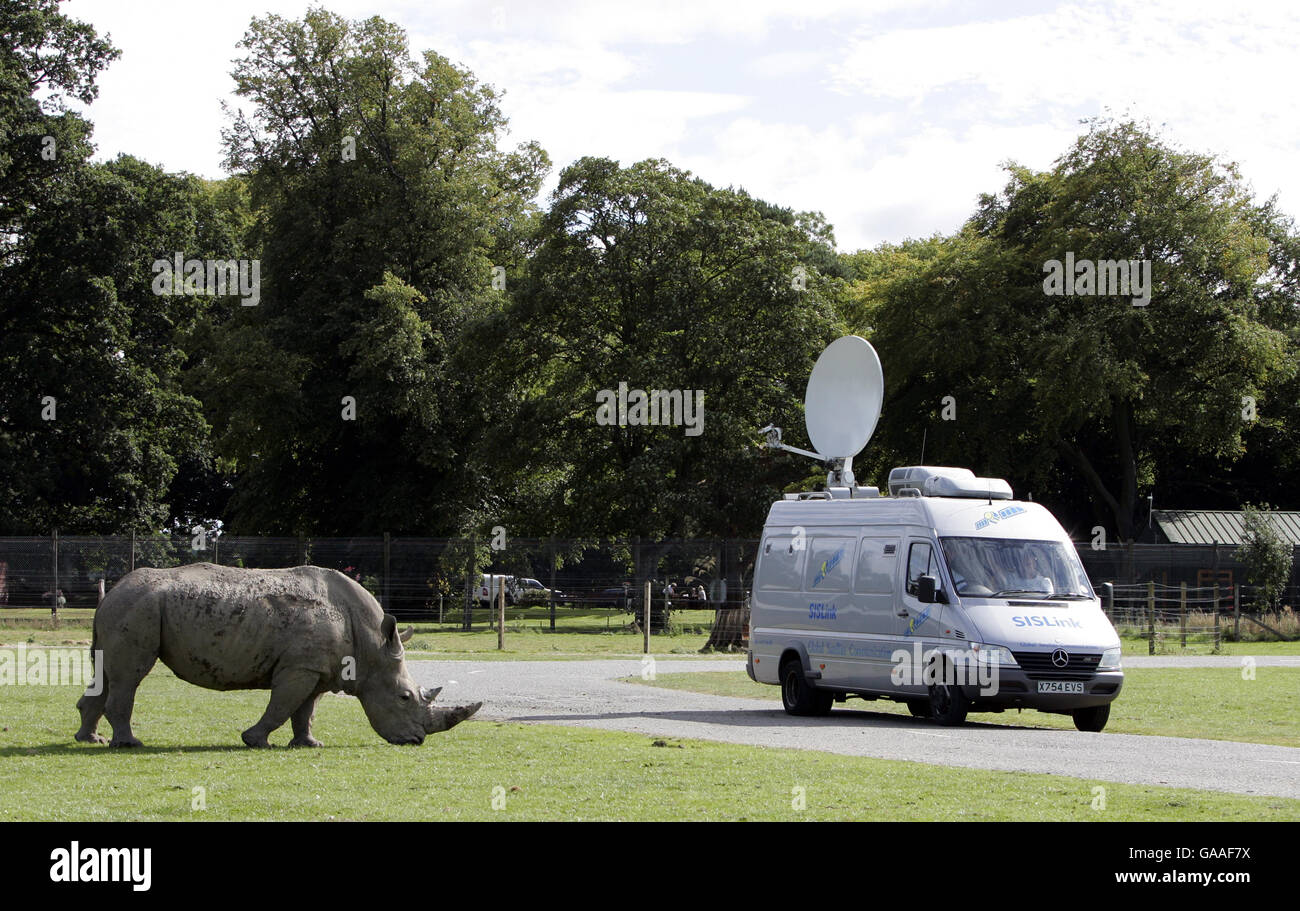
889	116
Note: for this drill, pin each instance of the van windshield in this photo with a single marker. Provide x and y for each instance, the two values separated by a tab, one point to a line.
996	567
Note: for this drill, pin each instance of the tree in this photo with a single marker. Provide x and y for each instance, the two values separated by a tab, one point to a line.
1052	388
385	212
93	419
646	278
1266	553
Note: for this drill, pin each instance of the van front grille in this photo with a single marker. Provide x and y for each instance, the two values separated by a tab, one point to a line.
1039	665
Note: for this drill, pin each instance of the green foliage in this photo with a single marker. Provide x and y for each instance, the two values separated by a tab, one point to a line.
1088	398
647	276
1267	554
383	205
93	417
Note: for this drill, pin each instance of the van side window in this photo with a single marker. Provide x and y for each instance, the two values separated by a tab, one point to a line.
920	562
830	561
781	563
876	562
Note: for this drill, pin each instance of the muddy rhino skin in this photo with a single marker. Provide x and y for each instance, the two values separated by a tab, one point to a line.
298	632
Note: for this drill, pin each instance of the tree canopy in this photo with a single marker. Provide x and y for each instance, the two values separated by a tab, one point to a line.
431	351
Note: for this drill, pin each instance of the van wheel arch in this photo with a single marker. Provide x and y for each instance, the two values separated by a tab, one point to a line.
798	695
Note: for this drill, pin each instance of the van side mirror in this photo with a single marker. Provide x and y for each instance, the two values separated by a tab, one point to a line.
926	593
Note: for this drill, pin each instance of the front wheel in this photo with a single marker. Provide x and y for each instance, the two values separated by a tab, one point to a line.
1092	719
798	697
919	708
948	704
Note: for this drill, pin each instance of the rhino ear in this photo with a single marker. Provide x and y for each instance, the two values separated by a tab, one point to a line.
388	629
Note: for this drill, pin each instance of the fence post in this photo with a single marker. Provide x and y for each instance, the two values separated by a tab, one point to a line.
1182	615
1236	612
388	603
501	616
647	616
54	598
1217	638
469	583
1151	618
551	596
131	562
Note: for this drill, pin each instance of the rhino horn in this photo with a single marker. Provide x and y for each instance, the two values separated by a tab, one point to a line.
430	694
446	719
407	634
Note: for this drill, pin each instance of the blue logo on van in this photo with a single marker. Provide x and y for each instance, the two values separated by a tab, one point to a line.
827	566
992	518
820	610
1047	621
915	623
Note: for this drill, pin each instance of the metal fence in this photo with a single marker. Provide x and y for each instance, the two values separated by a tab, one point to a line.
596	584
1197	565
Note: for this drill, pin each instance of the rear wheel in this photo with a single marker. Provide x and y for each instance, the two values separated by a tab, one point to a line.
1092	719
798	696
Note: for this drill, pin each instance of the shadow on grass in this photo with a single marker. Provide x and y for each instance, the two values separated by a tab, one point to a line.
102	749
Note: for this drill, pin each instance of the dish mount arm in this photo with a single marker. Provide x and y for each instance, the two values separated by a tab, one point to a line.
840	470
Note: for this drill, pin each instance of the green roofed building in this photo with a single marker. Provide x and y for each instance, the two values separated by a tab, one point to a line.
1212	526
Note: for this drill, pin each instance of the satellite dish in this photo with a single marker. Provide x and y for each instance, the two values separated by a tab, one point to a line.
844	396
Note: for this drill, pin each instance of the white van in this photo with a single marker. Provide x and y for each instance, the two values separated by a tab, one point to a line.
947	595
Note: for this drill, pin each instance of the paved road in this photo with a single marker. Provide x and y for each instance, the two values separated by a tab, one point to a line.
589	694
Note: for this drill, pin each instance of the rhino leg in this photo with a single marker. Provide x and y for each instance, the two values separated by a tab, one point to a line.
92	709
301	719
125	670
289	690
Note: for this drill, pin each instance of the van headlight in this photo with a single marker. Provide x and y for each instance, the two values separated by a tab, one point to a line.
1110	660
993	655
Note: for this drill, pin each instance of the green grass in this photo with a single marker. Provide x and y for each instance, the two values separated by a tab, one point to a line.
535	772
1168	643
1210	703
581	633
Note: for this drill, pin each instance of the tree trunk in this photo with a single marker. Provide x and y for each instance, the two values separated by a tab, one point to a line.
731	623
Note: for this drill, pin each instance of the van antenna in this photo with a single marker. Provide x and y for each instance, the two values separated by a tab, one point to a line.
924	432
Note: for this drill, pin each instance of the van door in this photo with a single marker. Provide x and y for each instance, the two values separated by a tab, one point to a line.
874	585
916	621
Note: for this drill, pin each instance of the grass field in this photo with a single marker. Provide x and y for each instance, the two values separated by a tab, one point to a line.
195	769
1211	703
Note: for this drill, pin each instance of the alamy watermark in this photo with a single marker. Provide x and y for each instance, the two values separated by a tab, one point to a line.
1099	278
639	408
21	666
75	864
943	667
212	277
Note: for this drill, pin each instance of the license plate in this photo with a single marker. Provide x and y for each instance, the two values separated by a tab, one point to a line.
1060	686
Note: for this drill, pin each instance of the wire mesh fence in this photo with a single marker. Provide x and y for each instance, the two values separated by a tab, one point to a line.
697	587
549	584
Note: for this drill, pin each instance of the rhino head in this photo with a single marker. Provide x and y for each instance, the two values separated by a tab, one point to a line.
398	709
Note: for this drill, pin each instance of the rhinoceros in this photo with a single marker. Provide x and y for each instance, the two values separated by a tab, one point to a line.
299	632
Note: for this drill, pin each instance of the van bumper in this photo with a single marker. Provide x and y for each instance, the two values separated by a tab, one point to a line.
1014	688
749	665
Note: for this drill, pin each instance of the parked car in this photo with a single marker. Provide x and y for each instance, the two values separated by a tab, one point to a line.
532	590
489	589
